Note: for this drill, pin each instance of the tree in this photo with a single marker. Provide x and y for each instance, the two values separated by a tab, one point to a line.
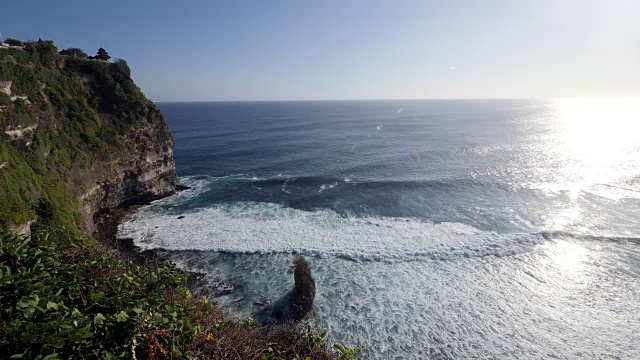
74	52
13	42
102	55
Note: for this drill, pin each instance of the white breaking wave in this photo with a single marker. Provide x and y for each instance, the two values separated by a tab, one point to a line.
324	187
196	185
268	228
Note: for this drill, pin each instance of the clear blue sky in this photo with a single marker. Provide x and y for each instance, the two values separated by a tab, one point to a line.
325	49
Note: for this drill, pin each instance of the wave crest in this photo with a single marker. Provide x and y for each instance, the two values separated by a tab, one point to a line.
246	227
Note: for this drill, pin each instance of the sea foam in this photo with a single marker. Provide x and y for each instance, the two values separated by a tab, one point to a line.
248	227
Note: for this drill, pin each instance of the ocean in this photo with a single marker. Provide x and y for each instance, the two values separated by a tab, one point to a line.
434	228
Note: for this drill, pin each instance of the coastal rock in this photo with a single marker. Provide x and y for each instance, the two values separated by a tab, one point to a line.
19	132
304	291
5	87
22	229
180	187
297	303
144	174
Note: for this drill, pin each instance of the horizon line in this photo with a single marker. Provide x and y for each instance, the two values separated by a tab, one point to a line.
336	100
407	99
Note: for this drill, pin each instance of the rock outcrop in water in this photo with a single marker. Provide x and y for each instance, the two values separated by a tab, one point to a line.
297	303
304	291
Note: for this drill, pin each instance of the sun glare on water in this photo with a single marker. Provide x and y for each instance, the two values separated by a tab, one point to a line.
599	130
598	140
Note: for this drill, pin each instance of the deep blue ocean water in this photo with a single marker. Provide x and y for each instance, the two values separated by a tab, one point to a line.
435	229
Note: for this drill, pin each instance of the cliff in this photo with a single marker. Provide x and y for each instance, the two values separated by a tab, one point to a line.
78	139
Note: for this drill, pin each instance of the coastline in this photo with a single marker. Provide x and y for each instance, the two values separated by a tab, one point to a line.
107	233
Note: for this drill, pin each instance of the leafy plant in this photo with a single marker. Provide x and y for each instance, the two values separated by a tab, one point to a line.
66	296
5	99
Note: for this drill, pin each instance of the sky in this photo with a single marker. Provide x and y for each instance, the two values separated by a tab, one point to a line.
340	49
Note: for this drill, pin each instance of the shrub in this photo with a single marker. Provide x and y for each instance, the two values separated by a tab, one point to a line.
45	209
76	52
23	114
71	300
65	296
120	70
44	51
110	136
5	99
13	42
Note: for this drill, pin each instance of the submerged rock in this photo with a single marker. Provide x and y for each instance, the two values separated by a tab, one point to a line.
180	187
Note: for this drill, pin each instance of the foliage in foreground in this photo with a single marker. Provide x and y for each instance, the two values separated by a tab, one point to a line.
70	297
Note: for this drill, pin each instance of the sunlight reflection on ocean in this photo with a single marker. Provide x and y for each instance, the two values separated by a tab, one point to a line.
600	140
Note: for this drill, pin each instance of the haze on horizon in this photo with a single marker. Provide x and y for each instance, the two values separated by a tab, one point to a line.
294	50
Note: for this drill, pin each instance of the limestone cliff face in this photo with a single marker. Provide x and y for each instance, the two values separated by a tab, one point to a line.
147	172
78	139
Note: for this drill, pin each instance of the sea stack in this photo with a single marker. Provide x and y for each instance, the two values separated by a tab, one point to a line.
304	291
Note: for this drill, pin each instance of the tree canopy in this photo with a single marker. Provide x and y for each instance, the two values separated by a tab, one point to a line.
74	52
13	42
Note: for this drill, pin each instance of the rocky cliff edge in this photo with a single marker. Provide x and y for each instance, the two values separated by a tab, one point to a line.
78	139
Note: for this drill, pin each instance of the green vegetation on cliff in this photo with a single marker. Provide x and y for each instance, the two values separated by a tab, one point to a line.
69	112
